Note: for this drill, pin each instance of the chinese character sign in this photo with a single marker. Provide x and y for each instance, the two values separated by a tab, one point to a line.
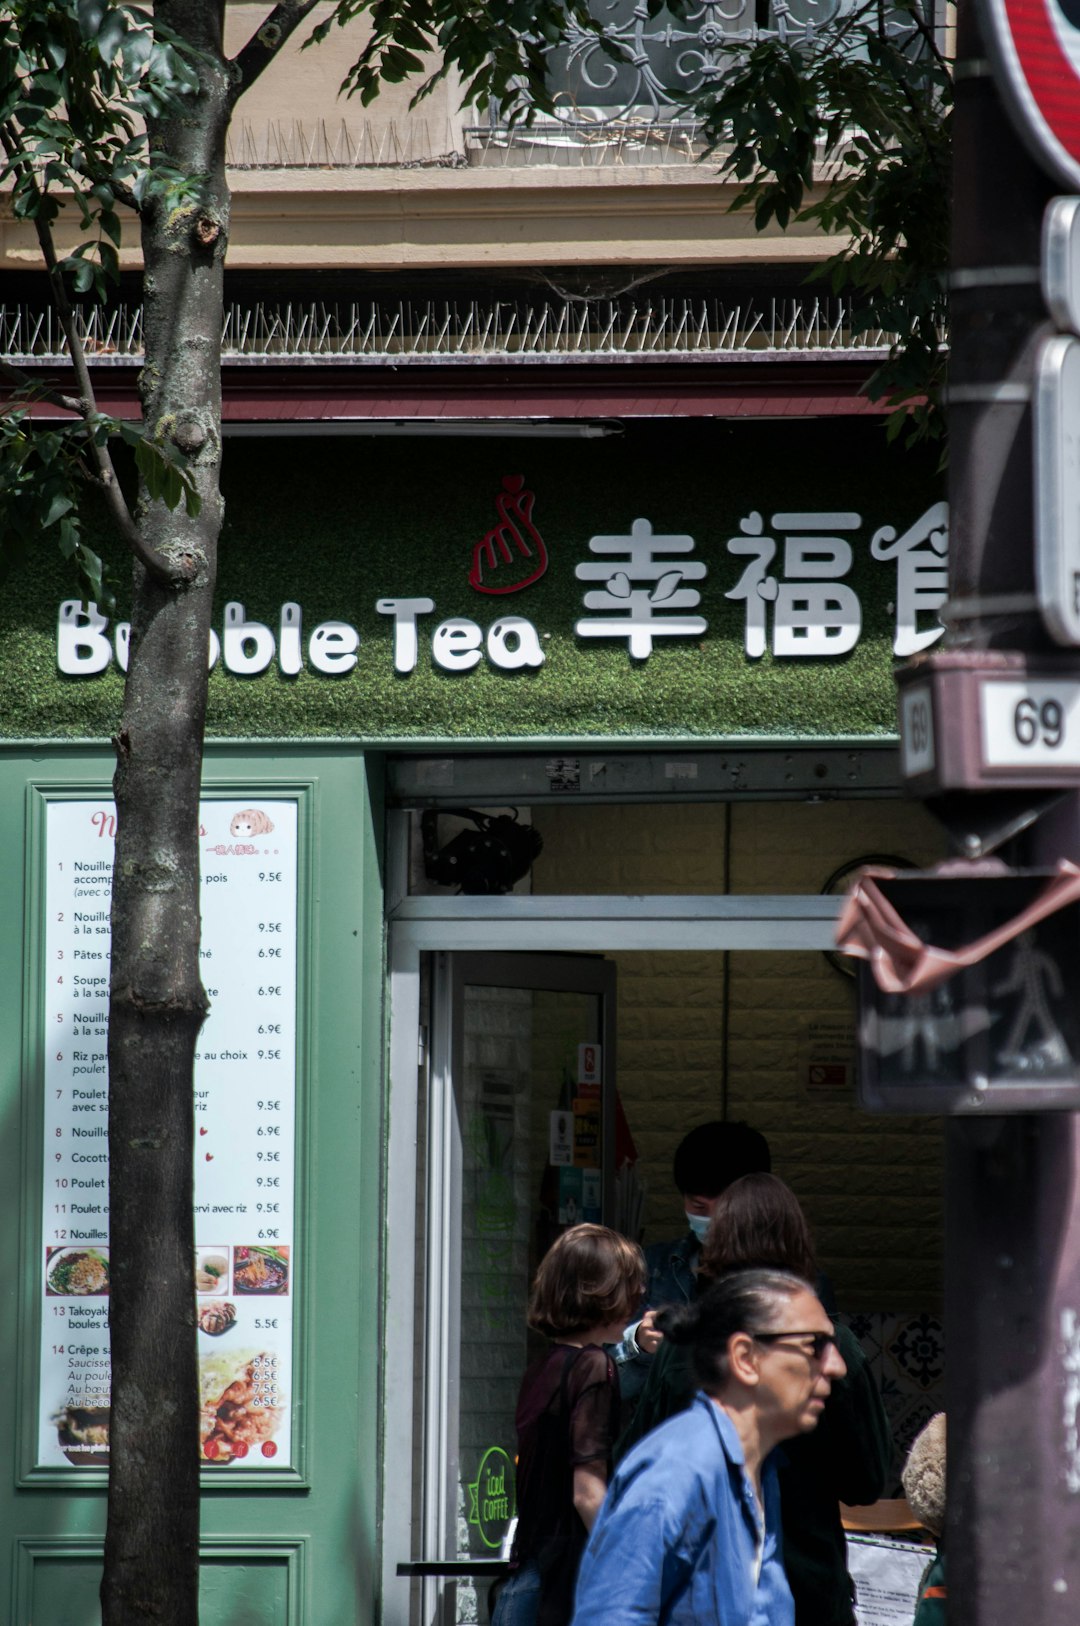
642	576
796	600
814	611
922	576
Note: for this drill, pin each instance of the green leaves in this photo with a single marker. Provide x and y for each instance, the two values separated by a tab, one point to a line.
46	475
165	477
851	132
43	477
78	80
497	47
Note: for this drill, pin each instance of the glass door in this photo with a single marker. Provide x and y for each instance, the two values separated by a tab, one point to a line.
520	1144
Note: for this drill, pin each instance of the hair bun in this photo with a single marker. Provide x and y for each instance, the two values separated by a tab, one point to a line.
680	1322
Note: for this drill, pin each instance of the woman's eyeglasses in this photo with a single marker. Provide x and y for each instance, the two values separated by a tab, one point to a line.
819	1341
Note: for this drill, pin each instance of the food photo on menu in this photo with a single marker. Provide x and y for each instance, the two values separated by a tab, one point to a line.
260	1270
217	1318
212	1270
243	1403
81	1419
76	1272
83	1435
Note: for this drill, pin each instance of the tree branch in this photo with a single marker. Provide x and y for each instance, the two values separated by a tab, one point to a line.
120	190
263	46
927	34
42	391
86	404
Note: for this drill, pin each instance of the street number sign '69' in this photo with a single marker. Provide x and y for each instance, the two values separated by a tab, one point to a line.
1034	46
1033	726
990	719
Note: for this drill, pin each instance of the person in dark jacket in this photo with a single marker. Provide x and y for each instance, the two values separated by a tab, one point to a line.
707	1160
758	1223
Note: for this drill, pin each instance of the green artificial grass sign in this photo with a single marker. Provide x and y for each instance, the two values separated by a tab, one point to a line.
705	580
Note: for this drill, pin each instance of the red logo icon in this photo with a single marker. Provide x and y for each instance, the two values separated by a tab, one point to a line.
512	555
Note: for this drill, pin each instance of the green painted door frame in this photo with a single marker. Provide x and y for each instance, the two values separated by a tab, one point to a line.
300	1550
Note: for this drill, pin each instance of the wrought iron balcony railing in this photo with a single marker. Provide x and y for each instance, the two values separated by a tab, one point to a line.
623	96
637	76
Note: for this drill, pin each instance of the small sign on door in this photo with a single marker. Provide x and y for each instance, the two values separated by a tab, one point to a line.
561	1139
589	1058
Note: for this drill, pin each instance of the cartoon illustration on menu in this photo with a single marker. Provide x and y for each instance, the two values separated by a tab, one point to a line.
251	821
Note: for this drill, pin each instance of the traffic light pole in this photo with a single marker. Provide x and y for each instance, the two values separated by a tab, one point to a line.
1012	1231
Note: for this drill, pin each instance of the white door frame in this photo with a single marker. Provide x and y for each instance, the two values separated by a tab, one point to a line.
513	923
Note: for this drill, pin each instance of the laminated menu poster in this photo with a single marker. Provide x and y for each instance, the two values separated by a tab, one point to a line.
244	1269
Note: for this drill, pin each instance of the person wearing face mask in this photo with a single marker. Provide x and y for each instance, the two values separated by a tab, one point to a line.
707	1160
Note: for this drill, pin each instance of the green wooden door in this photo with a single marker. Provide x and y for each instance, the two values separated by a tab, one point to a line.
289	1514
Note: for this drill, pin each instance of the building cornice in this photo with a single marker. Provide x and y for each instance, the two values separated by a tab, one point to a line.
480	216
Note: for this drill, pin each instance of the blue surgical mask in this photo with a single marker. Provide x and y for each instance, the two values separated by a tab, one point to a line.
699	1224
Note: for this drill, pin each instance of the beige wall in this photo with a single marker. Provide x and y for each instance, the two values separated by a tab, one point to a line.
301	88
321	182
871	1186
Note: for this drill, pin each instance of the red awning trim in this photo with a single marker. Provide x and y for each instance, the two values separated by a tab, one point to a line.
306	414
595	404
308	397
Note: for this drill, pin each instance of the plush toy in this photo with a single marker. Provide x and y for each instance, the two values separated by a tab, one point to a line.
924	1486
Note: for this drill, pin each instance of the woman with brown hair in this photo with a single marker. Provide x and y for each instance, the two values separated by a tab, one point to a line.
758	1224
586	1290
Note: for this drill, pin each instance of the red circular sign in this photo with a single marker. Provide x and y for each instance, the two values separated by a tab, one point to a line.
1035	47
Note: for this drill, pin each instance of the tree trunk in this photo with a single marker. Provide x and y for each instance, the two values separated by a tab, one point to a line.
157	1003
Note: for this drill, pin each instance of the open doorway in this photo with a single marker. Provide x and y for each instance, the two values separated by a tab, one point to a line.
513	1153
719	1004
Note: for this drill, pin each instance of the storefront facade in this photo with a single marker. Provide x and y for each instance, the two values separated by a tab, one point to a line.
665	647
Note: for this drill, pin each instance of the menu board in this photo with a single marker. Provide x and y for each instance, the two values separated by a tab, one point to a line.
244	1269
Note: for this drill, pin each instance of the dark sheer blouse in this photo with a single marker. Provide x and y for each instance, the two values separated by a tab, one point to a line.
567	1415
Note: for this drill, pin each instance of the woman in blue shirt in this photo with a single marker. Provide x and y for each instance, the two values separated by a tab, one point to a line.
689	1533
